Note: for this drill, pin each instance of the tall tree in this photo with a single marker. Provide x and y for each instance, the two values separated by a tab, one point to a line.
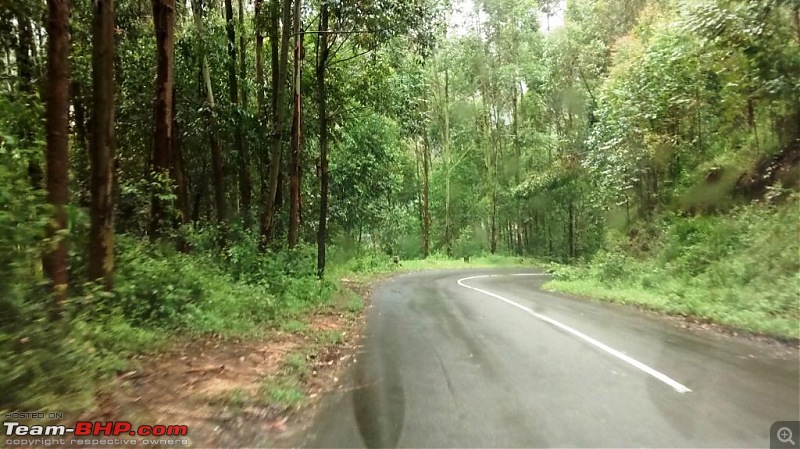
23	52
426	194
294	166
279	69
54	259
245	189
101	145
258	26
178	168
164	22
217	168
25	70
323	52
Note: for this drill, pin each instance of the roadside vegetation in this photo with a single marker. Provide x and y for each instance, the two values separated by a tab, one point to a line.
186	169
740	270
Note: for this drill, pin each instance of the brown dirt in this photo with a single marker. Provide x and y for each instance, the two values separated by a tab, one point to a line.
213	385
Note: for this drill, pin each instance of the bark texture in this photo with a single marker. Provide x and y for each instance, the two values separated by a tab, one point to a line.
54	259
101	145
164	22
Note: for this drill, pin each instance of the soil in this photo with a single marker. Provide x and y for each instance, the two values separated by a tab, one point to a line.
212	385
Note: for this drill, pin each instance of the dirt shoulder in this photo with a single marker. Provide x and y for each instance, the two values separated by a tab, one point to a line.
241	392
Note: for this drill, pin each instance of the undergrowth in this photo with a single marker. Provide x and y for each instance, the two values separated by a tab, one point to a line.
741	270
159	293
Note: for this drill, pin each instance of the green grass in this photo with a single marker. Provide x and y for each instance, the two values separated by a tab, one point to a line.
293	326
372	266
704	305
328	337
297	364
284	393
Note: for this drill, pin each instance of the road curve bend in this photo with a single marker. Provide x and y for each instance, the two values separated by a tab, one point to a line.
485	358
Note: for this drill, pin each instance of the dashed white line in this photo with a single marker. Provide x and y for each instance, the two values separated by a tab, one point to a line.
677	386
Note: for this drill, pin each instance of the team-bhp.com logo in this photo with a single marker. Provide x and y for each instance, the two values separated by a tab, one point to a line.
97	428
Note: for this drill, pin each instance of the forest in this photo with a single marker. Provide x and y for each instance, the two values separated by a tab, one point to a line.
212	166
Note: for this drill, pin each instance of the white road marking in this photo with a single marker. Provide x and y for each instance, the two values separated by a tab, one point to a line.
677	386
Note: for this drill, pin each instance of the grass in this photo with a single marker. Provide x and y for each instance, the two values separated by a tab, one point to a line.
701	306
293	326
284	393
370	267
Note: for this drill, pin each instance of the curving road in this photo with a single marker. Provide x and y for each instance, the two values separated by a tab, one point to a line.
483	358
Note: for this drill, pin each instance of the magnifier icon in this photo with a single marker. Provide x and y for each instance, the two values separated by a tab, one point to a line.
785	435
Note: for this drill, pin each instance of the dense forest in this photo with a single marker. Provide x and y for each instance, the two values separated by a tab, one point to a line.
210	165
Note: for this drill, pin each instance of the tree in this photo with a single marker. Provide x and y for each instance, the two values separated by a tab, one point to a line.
323	52
101	145
279	70
294	166
164	23
54	259
258	20
218	174
245	189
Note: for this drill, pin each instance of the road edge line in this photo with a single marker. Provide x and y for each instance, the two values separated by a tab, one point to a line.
677	386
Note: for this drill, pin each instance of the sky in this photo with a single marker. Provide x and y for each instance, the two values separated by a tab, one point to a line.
462	18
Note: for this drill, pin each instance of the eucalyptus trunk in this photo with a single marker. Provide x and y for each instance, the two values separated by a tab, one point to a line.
217	168
279	90
164	21
245	188
54	258
322	63
101	146
294	168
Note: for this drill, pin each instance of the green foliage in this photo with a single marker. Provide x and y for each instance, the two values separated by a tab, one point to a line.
158	292
655	142
740	270
468	244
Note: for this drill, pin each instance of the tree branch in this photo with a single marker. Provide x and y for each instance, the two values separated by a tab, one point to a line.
347	59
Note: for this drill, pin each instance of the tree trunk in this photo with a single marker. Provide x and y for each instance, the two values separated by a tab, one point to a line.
267	218
200	192
260	91
418	166
177	168
322	62
81	170
294	169
426	194
493	236
259	59
274	44
217	168
54	259
101	233
571	231
245	176
245	189
164	22
23	54
447	167
25	69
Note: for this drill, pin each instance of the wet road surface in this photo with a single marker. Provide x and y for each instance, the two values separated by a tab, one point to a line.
481	358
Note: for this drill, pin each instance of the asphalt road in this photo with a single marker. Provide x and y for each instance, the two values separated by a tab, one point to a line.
495	362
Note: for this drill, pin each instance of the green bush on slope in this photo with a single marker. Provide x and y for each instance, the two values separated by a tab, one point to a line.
741	270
